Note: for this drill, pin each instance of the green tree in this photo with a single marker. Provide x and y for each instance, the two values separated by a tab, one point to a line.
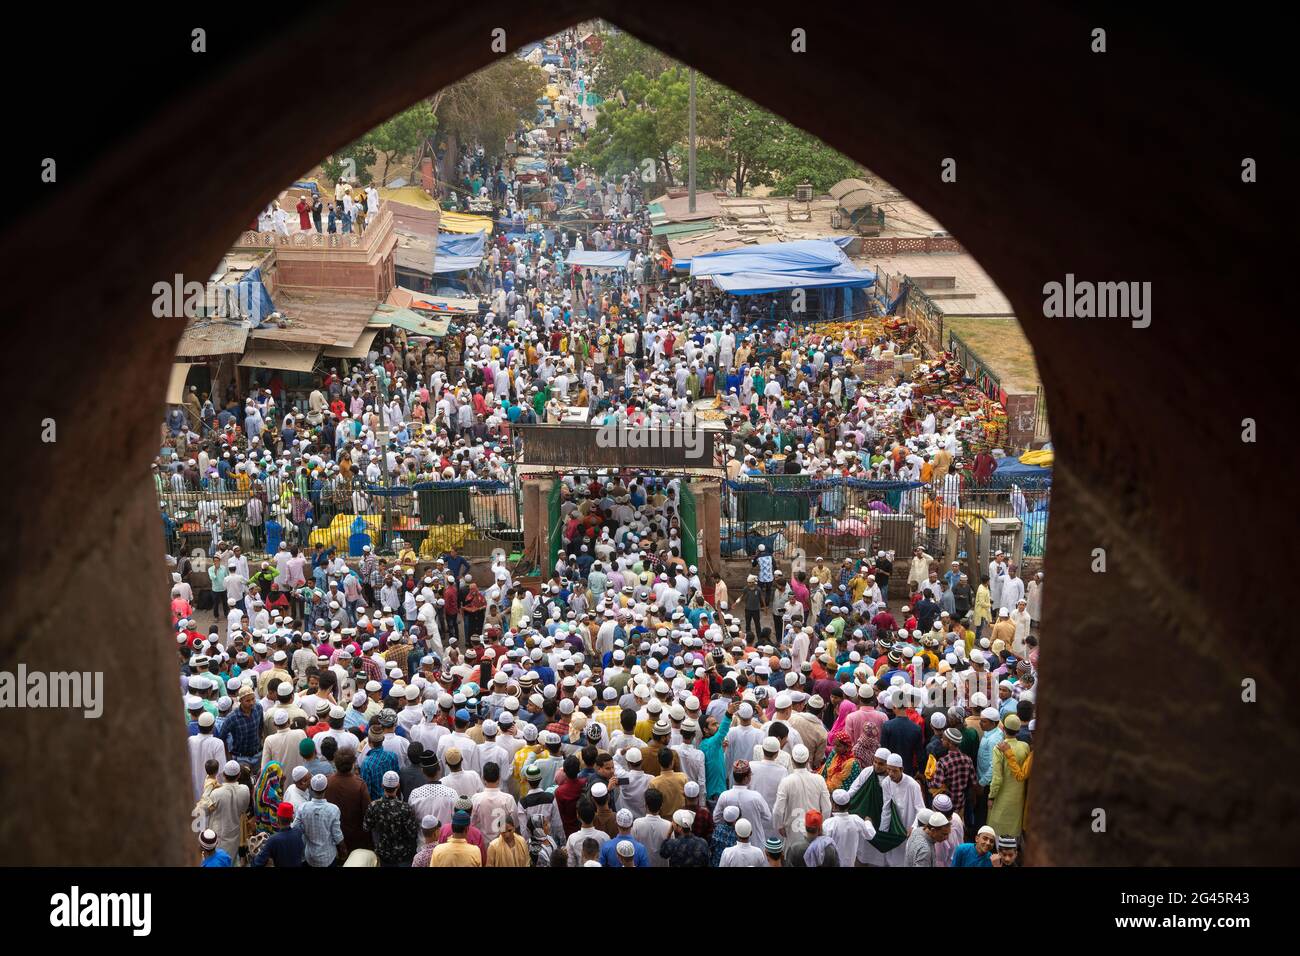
652	123
736	137
402	135
619	58
799	157
487	106
353	161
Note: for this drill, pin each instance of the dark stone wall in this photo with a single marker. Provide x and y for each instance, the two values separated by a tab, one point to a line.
1118	166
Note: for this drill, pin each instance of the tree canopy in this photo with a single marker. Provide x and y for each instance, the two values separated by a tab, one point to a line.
739	145
485	107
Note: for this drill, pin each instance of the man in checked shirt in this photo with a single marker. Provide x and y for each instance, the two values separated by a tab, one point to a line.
954	772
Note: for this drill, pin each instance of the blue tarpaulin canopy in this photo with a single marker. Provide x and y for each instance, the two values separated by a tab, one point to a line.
456	244
758	283
599	260
443	264
779	266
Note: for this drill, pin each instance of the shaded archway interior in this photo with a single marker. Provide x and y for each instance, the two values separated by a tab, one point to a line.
1057	151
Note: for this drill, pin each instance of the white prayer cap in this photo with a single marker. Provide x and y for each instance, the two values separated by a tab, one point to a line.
684	819
692	789
391	780
299	772
895	760
840	797
883	753
771	745
937	819
319	782
731	814
232	768
743	827
281	717
206	719
990	713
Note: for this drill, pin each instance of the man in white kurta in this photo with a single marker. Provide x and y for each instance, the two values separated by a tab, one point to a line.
229	804
800	790
205	746
1021	619
768	773
743	853
750	802
850	833
905	794
283	745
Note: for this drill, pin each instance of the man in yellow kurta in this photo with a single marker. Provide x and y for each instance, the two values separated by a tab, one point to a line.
1007	792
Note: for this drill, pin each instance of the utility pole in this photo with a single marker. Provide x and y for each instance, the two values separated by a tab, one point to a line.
690	171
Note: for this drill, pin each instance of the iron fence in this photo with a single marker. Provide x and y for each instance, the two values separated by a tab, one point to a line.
475	517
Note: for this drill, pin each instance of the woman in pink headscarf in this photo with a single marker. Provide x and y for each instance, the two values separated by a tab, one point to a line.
847	707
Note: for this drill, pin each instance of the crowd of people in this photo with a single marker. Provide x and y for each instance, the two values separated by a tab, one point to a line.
400	709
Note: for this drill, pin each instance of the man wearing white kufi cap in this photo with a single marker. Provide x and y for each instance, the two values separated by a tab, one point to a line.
229	803
743	853
799	791
298	790
943	851
283	744
850	833
903	800
205	746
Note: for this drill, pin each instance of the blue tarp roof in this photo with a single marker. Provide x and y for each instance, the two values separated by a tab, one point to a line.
455	244
778	266
599	260
758	283
443	264
770	257
1014	466
1012	470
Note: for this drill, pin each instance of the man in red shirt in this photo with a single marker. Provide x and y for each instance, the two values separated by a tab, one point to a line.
568	792
304	213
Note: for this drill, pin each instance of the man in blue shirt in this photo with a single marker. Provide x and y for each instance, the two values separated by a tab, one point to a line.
213	855
901	736
610	854
287	846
